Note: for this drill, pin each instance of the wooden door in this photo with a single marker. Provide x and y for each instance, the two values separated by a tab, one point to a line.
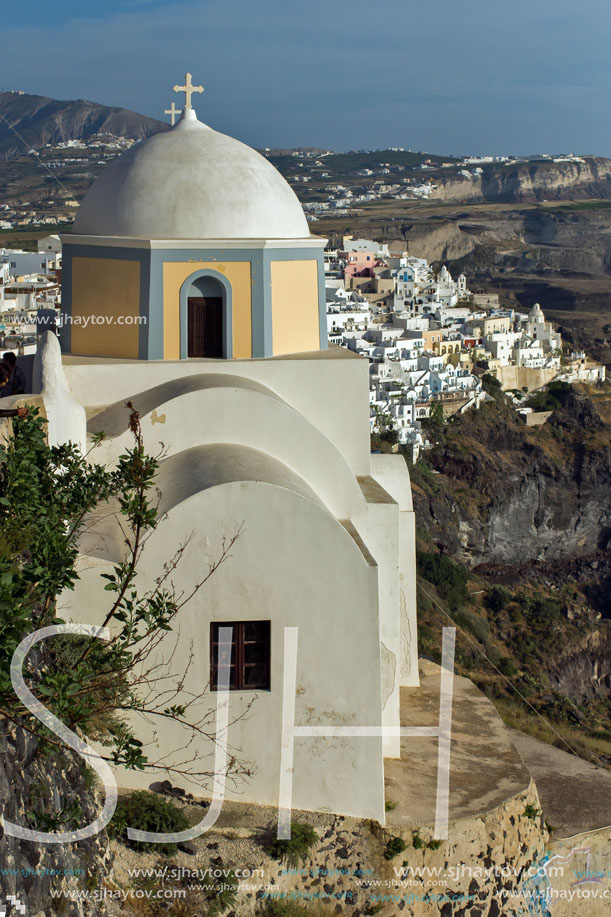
205	332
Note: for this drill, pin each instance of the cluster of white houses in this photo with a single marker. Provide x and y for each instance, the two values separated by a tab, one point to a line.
29	286
430	339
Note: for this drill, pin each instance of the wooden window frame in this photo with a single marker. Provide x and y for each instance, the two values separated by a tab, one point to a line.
239	661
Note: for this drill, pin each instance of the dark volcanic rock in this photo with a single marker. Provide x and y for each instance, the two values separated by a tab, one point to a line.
528	501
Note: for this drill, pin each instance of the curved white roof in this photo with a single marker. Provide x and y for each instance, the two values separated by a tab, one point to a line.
191	182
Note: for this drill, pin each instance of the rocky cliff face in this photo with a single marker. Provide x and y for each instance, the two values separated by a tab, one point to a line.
530	181
47	792
508	495
41	120
583	671
530	509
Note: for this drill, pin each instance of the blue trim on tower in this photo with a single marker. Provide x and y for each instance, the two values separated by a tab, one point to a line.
151	334
156	350
65	329
144	329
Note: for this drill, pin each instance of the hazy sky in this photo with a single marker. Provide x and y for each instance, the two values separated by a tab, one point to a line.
447	76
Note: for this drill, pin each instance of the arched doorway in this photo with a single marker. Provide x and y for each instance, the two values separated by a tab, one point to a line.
205	324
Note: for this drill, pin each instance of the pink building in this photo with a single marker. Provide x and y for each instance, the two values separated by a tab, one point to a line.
361	264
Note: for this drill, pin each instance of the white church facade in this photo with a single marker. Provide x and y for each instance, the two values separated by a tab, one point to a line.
265	429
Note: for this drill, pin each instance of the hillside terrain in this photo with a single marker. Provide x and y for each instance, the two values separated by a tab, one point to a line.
41	120
515	546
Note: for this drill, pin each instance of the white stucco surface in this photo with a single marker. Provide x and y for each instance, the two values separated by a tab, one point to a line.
329	388
392	473
66	419
280	448
295	565
191	182
214	408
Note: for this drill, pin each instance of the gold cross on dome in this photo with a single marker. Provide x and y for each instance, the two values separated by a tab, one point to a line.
173	111
188	90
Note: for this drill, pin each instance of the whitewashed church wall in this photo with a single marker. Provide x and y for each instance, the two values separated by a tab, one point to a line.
296	566
392	473
330	388
182	420
378	527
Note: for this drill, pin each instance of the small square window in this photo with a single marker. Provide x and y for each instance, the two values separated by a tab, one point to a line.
245	661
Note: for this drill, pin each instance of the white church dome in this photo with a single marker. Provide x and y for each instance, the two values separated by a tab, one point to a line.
191	182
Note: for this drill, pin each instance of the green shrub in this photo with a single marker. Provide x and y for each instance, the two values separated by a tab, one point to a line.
448	577
474	623
294	851
540	610
492	385
147	811
417	841
531	811
434	845
497	598
554	396
394	847
220	900
507	667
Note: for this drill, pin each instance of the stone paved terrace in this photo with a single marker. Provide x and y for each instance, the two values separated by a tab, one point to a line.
489	764
485	768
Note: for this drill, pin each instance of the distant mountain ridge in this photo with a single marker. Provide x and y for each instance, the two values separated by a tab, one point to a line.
41	120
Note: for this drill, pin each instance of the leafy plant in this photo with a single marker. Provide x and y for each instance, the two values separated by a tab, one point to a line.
221	893
449	577
531	811
553	397
497	599
66	819
492	385
507	667
147	811
296	849
394	847
417	841
47	495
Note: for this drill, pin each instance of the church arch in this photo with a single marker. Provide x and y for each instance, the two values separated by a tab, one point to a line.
205	300
260	420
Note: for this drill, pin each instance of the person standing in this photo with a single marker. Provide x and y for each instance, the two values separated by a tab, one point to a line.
15	384
5	373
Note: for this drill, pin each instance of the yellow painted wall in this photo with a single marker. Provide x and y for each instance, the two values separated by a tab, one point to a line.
109	288
237	273
295	321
